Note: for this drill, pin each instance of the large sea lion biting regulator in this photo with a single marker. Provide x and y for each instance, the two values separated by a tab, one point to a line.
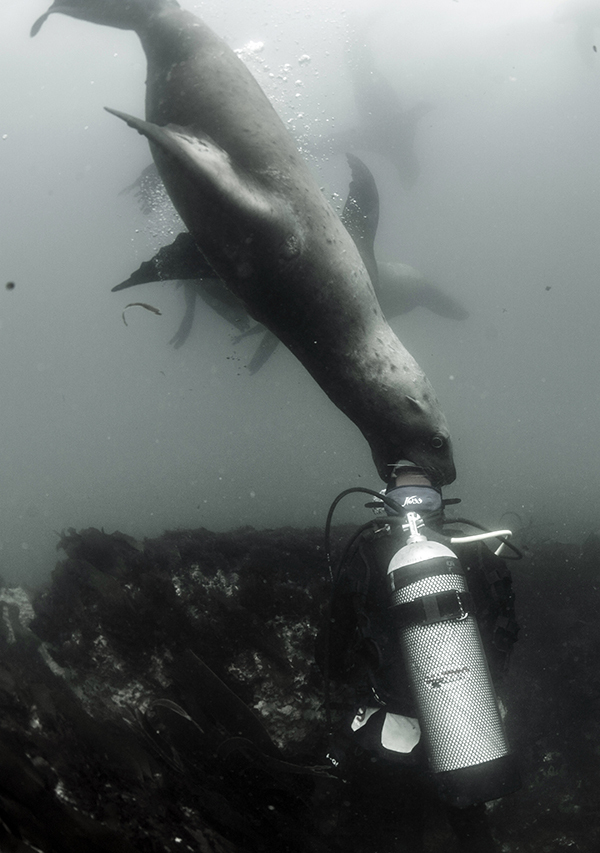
256	212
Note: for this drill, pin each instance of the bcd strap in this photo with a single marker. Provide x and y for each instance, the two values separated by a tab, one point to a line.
438	607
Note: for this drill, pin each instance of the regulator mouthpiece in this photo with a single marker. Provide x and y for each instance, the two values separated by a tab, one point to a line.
421	499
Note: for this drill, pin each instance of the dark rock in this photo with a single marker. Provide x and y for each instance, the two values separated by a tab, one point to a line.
164	697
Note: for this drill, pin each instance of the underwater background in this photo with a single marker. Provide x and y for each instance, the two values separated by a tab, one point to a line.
107	425
219	480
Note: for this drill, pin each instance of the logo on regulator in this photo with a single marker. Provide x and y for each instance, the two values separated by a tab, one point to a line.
412	500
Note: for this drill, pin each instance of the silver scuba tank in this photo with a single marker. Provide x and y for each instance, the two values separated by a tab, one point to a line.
458	711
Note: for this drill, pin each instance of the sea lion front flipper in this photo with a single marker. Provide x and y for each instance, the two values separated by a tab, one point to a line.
179	261
361	213
207	166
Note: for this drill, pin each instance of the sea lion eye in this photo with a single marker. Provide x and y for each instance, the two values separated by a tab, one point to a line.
437	441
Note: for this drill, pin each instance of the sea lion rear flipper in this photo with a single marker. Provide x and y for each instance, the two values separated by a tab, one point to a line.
264	351
185	327
361	213
223	302
179	261
433	298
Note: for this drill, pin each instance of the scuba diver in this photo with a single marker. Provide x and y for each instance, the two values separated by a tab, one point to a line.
419	632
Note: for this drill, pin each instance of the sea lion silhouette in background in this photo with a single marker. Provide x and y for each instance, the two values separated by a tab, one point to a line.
399	287
256	212
384	126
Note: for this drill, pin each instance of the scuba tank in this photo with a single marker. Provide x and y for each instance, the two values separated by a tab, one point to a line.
448	673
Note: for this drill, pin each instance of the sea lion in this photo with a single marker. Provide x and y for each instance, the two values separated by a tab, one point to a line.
258	215
182	260
384	126
399	287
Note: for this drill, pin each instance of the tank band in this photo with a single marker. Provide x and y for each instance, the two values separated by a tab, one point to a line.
438	607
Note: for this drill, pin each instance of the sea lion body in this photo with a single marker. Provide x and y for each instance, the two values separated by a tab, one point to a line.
259	217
